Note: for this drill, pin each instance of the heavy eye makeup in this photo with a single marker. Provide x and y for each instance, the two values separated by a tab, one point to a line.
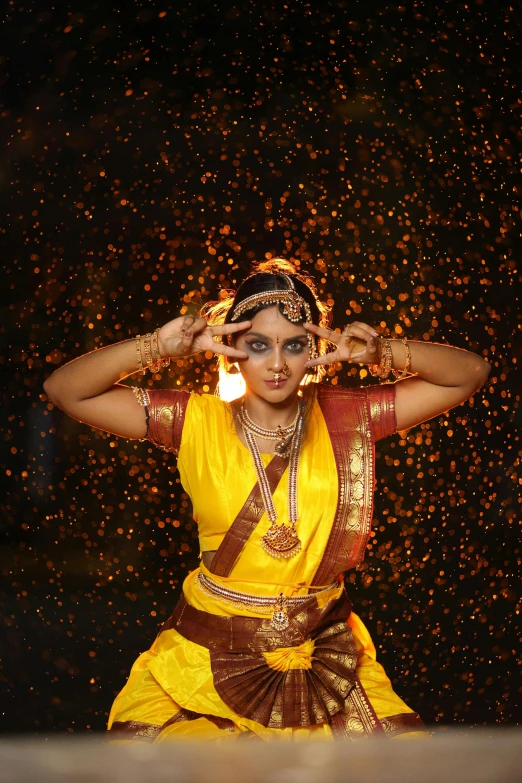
294	347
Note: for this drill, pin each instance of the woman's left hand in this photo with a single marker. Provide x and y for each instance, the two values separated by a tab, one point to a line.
357	342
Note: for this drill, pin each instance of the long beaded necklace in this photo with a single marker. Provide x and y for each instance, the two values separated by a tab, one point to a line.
280	540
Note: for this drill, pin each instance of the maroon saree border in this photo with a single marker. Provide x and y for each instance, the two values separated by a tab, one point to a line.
348	420
403	723
358	719
351	724
137	730
347	416
250	687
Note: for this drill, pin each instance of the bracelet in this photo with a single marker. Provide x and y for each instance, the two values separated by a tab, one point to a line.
146	349
142	396
382	370
156	358
160	361
138	352
407	367
153	360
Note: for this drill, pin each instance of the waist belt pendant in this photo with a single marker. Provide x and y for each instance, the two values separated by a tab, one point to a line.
279	620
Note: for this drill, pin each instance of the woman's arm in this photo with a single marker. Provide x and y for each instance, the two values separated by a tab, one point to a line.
87	388
444	377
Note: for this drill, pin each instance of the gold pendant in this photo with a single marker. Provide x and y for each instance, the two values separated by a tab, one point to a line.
281	541
279	620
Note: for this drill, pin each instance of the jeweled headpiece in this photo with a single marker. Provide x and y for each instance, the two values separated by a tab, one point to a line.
292	303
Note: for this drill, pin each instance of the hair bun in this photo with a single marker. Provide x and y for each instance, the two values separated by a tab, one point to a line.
283	266
274	266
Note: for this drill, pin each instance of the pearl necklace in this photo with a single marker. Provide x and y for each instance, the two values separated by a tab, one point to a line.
280	434
279	540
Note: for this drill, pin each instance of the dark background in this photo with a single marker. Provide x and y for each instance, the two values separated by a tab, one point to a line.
150	153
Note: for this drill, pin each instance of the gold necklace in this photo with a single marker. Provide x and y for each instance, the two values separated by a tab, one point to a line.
280	540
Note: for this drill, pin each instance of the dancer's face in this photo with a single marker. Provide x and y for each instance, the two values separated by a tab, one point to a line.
271	343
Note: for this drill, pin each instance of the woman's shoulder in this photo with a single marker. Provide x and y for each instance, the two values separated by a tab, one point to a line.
206	406
208	402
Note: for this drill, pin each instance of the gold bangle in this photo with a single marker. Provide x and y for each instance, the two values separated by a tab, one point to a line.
407	366
389	360
155	356
159	362
153	360
146	350
138	354
382	370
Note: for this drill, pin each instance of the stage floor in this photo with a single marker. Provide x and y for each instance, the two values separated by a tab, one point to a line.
448	756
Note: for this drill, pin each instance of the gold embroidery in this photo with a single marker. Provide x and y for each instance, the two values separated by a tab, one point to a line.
382	409
281	698
137	730
402	724
347	417
186	715
358	719
166	409
277	698
166	417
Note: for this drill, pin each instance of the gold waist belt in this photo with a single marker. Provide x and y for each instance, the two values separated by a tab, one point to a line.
263	604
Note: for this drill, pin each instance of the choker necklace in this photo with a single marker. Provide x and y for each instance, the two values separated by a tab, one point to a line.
280	434
280	540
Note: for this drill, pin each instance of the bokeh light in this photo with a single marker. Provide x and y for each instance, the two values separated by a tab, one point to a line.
150	155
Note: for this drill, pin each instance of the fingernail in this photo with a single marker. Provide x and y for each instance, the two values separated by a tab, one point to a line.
375	334
188	333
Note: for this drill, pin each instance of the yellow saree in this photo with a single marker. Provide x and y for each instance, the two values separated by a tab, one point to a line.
191	685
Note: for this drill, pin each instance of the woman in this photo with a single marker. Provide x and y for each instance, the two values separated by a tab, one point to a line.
263	641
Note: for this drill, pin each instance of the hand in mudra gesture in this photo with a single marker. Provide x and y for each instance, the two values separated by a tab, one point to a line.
187	335
357	342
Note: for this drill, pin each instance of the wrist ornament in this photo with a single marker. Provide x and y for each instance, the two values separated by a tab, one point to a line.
150	358
382	370
407	366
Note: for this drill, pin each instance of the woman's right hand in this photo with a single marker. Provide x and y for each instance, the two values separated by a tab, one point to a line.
187	335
